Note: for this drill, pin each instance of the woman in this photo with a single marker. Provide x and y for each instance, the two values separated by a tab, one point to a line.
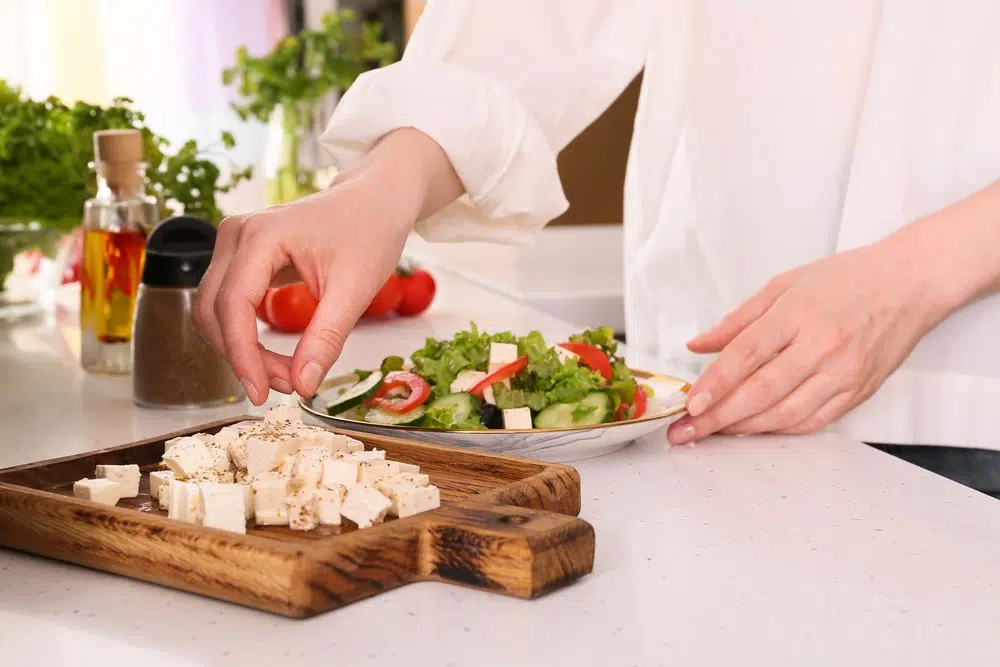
826	173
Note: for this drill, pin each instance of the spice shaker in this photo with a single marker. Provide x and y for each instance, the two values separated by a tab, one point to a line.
173	366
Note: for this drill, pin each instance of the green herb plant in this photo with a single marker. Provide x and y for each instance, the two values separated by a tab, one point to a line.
295	77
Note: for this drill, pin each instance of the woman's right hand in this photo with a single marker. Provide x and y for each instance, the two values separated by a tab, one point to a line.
342	242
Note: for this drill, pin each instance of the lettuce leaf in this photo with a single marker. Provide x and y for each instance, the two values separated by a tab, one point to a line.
445	418
603	338
440	361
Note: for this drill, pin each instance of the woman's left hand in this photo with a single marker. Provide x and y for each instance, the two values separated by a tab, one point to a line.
814	343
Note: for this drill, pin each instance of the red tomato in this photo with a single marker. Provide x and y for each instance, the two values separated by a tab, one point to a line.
418	289
388	298
262	308
290	308
591	357
419	391
637	409
499	375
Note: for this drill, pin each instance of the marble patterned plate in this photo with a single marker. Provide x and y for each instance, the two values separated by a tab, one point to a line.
557	445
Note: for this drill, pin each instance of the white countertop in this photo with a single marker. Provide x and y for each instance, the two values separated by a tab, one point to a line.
810	551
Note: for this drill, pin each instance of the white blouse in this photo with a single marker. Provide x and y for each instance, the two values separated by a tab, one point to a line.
769	133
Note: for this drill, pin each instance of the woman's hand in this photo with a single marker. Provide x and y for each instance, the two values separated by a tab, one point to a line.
814	343
343	242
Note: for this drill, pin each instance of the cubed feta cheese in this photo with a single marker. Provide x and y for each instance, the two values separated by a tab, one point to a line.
365	455
329	500
186	456
103	491
207	438
466	380
222	506
408	467
409	499
354	446
164	494
370	472
502	354
184	501
282	414
269	501
338	472
219	457
564	354
489	396
157	479
265	453
301	509
365	506
517	418
127	476
212	475
306	471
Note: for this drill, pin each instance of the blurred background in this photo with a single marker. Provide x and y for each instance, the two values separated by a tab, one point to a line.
168	58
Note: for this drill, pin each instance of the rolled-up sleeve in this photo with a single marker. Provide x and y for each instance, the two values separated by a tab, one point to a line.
502	86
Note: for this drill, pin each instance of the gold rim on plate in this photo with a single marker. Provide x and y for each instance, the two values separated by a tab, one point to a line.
307	405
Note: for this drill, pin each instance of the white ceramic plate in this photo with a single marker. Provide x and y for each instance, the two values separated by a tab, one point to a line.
558	445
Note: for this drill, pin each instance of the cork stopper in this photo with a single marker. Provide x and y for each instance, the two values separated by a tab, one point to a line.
118	154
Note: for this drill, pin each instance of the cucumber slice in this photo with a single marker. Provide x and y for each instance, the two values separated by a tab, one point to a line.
595	408
464	405
356	394
386	418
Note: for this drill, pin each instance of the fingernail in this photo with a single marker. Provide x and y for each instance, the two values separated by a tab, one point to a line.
250	390
698	403
310	376
681	435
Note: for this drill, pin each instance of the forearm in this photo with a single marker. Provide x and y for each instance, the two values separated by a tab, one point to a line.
411	169
955	252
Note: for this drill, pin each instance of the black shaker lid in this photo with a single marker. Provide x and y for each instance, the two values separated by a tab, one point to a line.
178	252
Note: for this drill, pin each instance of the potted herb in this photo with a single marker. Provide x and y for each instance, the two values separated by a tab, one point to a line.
289	84
46	148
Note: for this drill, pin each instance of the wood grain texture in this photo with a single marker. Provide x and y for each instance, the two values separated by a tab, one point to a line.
506	525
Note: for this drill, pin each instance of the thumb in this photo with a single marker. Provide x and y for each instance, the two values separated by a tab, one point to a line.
323	340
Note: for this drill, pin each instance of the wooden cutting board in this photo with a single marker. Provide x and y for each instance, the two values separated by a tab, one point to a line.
505	524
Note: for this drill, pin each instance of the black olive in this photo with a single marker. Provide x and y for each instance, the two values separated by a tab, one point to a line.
492	417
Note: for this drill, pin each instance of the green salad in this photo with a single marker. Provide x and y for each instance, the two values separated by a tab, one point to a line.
479	380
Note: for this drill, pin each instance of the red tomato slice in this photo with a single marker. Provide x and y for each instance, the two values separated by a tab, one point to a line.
591	357
641	402
499	375
419	391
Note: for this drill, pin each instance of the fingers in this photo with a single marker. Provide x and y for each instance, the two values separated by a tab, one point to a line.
277	366
719	336
798	406
243	286
226	243
830	412
766	387
345	296
750	350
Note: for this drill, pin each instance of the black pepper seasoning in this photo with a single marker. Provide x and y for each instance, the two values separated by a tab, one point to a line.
173	366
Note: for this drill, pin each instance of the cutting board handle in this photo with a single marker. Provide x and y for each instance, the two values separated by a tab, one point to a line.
520	552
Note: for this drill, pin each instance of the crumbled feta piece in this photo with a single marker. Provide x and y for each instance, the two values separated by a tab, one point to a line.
283	413
517	418
301	509
184	501
337	472
466	380
222	506
409	499
502	354
186	456
365	506
157	479
127	476
103	491
269	501
370	472
329	500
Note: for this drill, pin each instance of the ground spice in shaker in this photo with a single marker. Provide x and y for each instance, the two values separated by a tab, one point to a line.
172	364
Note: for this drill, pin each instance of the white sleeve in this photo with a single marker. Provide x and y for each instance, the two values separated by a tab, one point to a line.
502	86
